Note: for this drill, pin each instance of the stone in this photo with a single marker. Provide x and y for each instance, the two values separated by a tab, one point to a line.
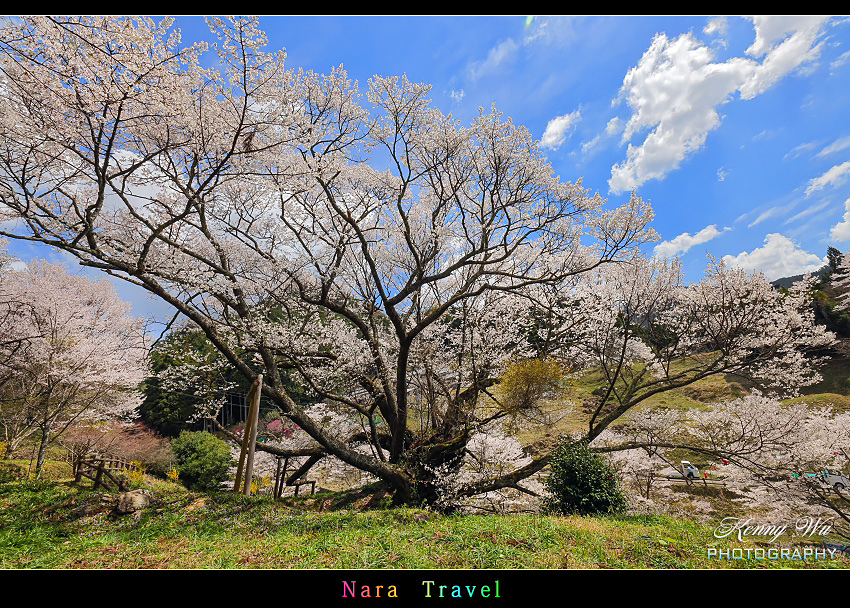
130	502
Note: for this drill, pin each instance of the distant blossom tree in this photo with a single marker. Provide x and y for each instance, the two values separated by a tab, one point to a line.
780	450
841	277
78	356
391	259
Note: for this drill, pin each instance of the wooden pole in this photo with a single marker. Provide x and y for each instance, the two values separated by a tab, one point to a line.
254	414
246	437
276	494
97	479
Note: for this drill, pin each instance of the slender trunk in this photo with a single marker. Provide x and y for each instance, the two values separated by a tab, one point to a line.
42	448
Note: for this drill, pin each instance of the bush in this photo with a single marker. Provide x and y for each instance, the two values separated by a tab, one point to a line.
581	482
203	460
524	384
141	444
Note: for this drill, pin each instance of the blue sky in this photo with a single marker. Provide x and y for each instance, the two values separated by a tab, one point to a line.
736	129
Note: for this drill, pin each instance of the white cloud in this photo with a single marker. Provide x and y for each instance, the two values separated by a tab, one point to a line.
614	126
773	212
721	174
16	265
764	215
676	87
837	146
456	96
742	216
588	146
780	59
495	57
770	28
765	134
795	152
833	177
841	231
556	130
685	241
840	60
806	212
716	25
779	257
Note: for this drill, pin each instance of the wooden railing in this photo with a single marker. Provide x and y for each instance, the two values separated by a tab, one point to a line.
103	469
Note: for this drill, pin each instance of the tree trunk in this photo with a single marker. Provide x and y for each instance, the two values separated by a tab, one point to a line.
42	449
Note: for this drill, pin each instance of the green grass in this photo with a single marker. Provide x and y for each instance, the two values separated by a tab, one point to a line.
838	403
223	530
833	391
18	470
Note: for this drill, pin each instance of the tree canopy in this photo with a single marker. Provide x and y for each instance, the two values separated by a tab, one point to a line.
392	259
70	354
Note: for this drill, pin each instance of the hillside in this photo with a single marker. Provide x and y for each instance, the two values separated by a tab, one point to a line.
41	528
788	281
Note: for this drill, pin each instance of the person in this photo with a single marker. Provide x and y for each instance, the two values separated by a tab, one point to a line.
691	472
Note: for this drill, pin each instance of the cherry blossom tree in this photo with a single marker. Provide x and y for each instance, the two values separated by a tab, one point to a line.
390	258
777	452
78	357
840	279
646	332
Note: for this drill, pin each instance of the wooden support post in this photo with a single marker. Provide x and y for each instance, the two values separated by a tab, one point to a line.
97	478
276	493
246	438
254	415
283	475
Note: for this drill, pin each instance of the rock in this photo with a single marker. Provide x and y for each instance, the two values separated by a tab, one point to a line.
130	502
200	503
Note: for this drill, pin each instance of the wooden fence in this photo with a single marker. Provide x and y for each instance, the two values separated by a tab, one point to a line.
281	481
103	470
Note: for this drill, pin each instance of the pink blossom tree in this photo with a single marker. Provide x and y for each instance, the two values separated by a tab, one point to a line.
390	258
841	281
778	451
77	356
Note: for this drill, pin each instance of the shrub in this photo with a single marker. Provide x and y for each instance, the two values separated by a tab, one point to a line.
525	383
203	460
581	482
135	442
139	443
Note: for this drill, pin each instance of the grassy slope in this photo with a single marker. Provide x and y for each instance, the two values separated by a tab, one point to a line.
833	391
187	530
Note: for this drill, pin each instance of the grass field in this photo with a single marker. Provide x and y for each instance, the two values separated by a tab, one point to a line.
40	530
41	525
